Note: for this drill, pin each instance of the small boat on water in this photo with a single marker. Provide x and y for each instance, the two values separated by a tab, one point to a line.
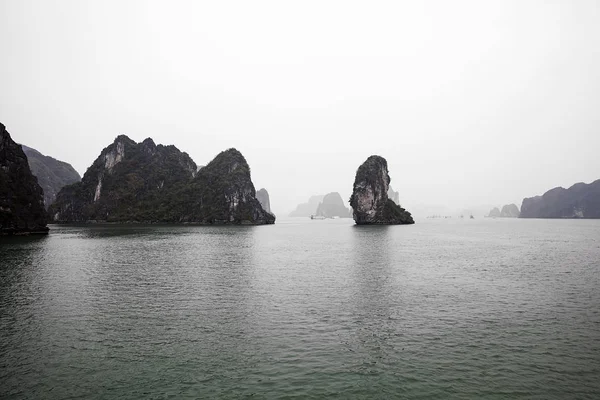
317	217
472	217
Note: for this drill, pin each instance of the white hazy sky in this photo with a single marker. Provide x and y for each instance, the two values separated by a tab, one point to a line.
471	102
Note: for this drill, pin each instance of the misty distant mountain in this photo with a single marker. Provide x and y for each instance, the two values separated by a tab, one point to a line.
51	173
579	201
494	213
333	206
263	197
394	196
309	208
509	211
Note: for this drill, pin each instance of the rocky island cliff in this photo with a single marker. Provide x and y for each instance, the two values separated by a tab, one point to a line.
51	173
125	183
145	182
369	200
579	201
21	197
221	193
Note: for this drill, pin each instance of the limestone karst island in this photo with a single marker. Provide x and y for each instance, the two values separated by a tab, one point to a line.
370	202
145	182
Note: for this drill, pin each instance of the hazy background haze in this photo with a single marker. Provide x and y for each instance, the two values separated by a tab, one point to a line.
471	102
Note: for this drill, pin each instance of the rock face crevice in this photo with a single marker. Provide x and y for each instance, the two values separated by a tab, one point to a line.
22	208
369	200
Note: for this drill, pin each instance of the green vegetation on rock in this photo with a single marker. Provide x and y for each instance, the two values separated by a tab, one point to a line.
144	182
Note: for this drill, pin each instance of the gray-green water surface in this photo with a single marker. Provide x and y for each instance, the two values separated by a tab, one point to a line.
496	309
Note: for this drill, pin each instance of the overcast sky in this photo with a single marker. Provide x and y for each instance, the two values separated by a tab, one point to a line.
471	102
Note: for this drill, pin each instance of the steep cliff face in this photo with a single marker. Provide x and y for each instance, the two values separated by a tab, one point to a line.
333	206
263	197
369	200
52	174
510	211
494	213
579	201
221	193
309	208
125	183
21	197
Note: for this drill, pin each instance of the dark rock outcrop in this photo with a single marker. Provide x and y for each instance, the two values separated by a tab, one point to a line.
125	183
369	200
21	197
333	206
52	174
263	196
221	193
145	182
494	213
309	208
510	211
579	201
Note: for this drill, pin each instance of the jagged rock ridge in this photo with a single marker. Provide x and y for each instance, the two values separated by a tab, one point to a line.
51	173
333	206
369	200
579	201
21	197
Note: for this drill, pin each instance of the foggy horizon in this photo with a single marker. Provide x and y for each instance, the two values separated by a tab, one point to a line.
471	104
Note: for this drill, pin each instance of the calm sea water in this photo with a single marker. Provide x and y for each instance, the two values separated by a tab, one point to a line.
496	309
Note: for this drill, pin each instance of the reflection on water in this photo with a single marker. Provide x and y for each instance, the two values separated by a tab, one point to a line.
441	309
